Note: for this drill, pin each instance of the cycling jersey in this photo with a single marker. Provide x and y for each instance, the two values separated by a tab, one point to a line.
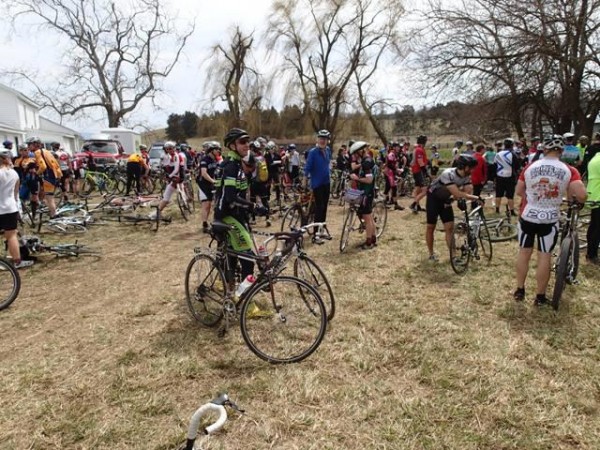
546	182
505	164
570	155
439	186
135	158
419	161
210	164
593	186
171	165
232	187
367	168
391	162
63	160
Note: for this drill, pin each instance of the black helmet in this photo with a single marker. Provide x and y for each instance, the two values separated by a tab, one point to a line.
55	144
465	161
422	139
458	143
509	142
34	140
233	135
324	134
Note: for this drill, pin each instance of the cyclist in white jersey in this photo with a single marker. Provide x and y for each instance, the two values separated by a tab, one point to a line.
571	154
171	164
506	175
542	186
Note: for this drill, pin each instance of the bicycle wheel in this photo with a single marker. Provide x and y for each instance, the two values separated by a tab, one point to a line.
88	186
205	290
283	322
308	270
459	248
485	242
183	207
189	192
380	217
503	232
292	218
347	228
65	227
562	270
10	283
574	260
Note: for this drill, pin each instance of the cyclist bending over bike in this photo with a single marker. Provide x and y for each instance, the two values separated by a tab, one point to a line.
231	204
365	179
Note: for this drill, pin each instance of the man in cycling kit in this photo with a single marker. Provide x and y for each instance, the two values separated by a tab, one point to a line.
136	166
507	166
171	164
206	180
231	204
570	154
542	186
418	168
453	183
365	180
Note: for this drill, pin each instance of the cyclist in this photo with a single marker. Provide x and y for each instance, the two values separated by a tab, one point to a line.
318	169
479	173
593	188
206	180
9	210
391	171
294	159
507	166
590	151
8	145
542	186
136	166
453	183
259	186
435	160
64	162
171	164
48	170
231	204
419	171
365	180
570	154
456	152
273	160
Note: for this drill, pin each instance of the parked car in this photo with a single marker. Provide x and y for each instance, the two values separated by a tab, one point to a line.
155	154
105	152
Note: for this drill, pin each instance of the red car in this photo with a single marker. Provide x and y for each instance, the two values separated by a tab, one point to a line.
105	152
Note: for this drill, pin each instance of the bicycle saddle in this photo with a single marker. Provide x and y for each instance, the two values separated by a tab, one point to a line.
220	227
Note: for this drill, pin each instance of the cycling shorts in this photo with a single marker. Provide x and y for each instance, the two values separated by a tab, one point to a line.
546	235
206	195
505	187
366	205
438	208
419	179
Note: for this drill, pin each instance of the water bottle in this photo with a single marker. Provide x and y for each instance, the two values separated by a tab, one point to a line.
244	285
263	253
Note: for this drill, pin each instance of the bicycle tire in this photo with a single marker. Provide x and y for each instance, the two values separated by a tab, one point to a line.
314	275
485	242
380	216
459	248
10	283
562	271
347	229
292	326
88	186
205	294
292	218
182	207
66	227
73	250
189	192
503	232
574	262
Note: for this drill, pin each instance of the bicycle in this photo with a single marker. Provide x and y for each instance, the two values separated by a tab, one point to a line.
567	261
99	181
292	320
185	198
501	229
136	219
467	237
217	406
10	283
354	197
301	212
36	246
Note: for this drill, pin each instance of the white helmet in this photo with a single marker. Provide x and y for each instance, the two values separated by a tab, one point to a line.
358	145
568	136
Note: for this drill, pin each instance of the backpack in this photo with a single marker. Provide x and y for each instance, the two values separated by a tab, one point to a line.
262	174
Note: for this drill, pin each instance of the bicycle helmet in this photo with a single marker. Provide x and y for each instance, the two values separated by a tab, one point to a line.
584	139
249	160
568	136
422	139
358	145
271	145
5	153
458	143
469	143
324	134
292	147
434	147
143	147
555	142
233	135
34	140
509	142
465	161
169	144
6	143
22	147
183	147
212	145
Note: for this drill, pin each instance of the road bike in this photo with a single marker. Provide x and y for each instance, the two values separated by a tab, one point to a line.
353	222
10	283
469	236
282	318
501	229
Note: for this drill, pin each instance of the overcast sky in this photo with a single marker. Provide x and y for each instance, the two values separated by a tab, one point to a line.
184	87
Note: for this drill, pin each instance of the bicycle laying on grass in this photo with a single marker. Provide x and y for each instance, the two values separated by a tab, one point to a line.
469	237
282	318
501	229
35	247
10	283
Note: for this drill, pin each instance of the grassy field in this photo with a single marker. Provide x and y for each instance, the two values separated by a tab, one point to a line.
102	354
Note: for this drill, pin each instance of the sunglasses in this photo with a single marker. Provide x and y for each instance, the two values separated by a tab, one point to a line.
243	141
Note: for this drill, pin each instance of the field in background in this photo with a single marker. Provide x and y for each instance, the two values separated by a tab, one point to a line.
102	354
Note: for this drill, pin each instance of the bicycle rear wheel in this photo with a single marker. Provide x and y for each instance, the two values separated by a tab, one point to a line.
205	290
503	232
183	206
380	218
66	227
347	229
308	270
485	242
10	283
189	192
292	218
459	248
562	271
283	322
574	261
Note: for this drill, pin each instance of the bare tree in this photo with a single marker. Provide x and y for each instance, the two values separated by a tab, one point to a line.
116	54
323	43
233	77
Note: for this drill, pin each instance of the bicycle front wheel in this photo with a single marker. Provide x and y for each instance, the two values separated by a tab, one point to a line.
485	242
205	290
380	218
308	270
284	320
292	218
183	206
562	271
459	248
66	227
347	228
10	283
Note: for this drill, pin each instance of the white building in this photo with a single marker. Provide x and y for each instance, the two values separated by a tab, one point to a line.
20	118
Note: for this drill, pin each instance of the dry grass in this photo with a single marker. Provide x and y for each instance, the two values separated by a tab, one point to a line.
102	354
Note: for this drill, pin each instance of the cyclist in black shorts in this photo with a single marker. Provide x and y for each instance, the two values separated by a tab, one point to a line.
365	179
452	184
206	180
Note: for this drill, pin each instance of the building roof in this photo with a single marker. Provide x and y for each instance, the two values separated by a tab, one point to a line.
19	95
11	128
50	125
